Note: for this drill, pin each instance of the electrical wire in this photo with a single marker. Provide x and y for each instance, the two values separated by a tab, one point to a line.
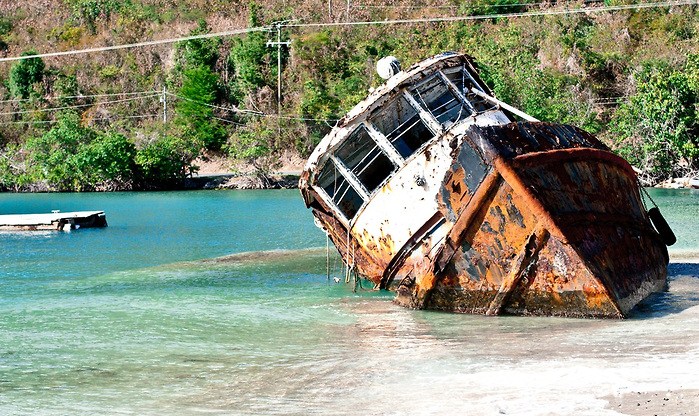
229	109
365	23
388	6
66	97
93	119
140	44
68	107
154	94
503	15
250	112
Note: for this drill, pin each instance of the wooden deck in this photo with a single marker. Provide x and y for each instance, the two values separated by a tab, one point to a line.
58	221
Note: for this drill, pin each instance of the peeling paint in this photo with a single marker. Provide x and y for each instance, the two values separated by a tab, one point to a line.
483	215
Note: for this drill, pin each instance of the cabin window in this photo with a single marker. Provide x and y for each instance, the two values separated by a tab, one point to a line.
339	190
435	97
401	124
463	83
364	158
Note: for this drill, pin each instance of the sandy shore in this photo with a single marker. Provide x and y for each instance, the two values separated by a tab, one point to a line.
659	403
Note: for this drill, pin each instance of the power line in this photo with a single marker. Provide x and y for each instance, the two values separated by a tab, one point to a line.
412	7
151	94
365	23
218	107
94	119
225	120
68	107
139	44
250	112
66	97
503	15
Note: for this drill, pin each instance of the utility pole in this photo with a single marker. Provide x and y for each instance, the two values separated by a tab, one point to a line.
278	44
163	99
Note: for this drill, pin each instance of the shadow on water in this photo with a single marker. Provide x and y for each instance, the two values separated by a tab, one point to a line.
683	293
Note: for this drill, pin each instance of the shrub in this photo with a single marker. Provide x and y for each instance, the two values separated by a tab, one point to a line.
658	129
250	60
253	146
53	155
91	11
108	162
166	162
24	74
198	52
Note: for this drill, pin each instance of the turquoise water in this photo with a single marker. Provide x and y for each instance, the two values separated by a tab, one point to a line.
146	317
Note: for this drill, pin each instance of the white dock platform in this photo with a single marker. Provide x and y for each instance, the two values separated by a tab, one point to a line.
59	221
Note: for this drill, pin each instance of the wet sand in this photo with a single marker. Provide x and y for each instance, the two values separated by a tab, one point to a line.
682	298
659	403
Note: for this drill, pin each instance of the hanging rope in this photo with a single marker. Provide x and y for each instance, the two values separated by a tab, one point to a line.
347	253
327	255
647	195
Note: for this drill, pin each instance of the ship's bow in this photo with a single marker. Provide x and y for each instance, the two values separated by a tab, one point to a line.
593	198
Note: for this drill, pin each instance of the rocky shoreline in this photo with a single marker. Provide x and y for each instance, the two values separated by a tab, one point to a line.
679	183
242	181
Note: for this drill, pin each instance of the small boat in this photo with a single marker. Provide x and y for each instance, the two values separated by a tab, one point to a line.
433	188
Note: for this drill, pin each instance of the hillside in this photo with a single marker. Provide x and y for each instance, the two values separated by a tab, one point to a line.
143	117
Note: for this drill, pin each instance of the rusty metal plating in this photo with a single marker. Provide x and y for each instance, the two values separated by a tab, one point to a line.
428	189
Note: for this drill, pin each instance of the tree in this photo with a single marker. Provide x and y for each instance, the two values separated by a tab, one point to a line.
108	162
53	155
252	147
91	11
658	129
198	52
248	57
24	74
165	163
195	113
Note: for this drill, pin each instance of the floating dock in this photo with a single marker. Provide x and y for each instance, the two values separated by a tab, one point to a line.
56	221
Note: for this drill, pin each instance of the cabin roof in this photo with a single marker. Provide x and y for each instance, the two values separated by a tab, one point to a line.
516	139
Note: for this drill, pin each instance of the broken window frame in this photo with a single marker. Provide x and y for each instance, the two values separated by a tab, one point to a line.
435	95
361	135
351	177
432	126
340	181
477	104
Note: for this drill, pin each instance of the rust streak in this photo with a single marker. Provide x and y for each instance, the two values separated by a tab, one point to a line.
528	255
515	181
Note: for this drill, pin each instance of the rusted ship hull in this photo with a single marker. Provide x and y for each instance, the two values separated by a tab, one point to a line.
555	232
489	216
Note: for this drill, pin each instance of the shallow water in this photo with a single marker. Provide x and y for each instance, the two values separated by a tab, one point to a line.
138	319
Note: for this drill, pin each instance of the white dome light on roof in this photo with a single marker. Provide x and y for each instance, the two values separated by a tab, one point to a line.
388	66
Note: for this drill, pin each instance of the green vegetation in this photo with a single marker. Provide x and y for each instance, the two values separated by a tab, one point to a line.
194	110
631	77
658	129
25	75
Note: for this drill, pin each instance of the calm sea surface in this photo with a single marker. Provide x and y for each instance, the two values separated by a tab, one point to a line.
144	317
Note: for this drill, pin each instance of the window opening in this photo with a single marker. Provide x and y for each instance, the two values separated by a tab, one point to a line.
434	96
400	122
363	157
343	195
463	82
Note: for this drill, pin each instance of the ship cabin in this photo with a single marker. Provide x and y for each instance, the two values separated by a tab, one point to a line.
378	171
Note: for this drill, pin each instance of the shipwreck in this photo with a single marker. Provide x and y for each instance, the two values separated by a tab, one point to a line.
433	188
